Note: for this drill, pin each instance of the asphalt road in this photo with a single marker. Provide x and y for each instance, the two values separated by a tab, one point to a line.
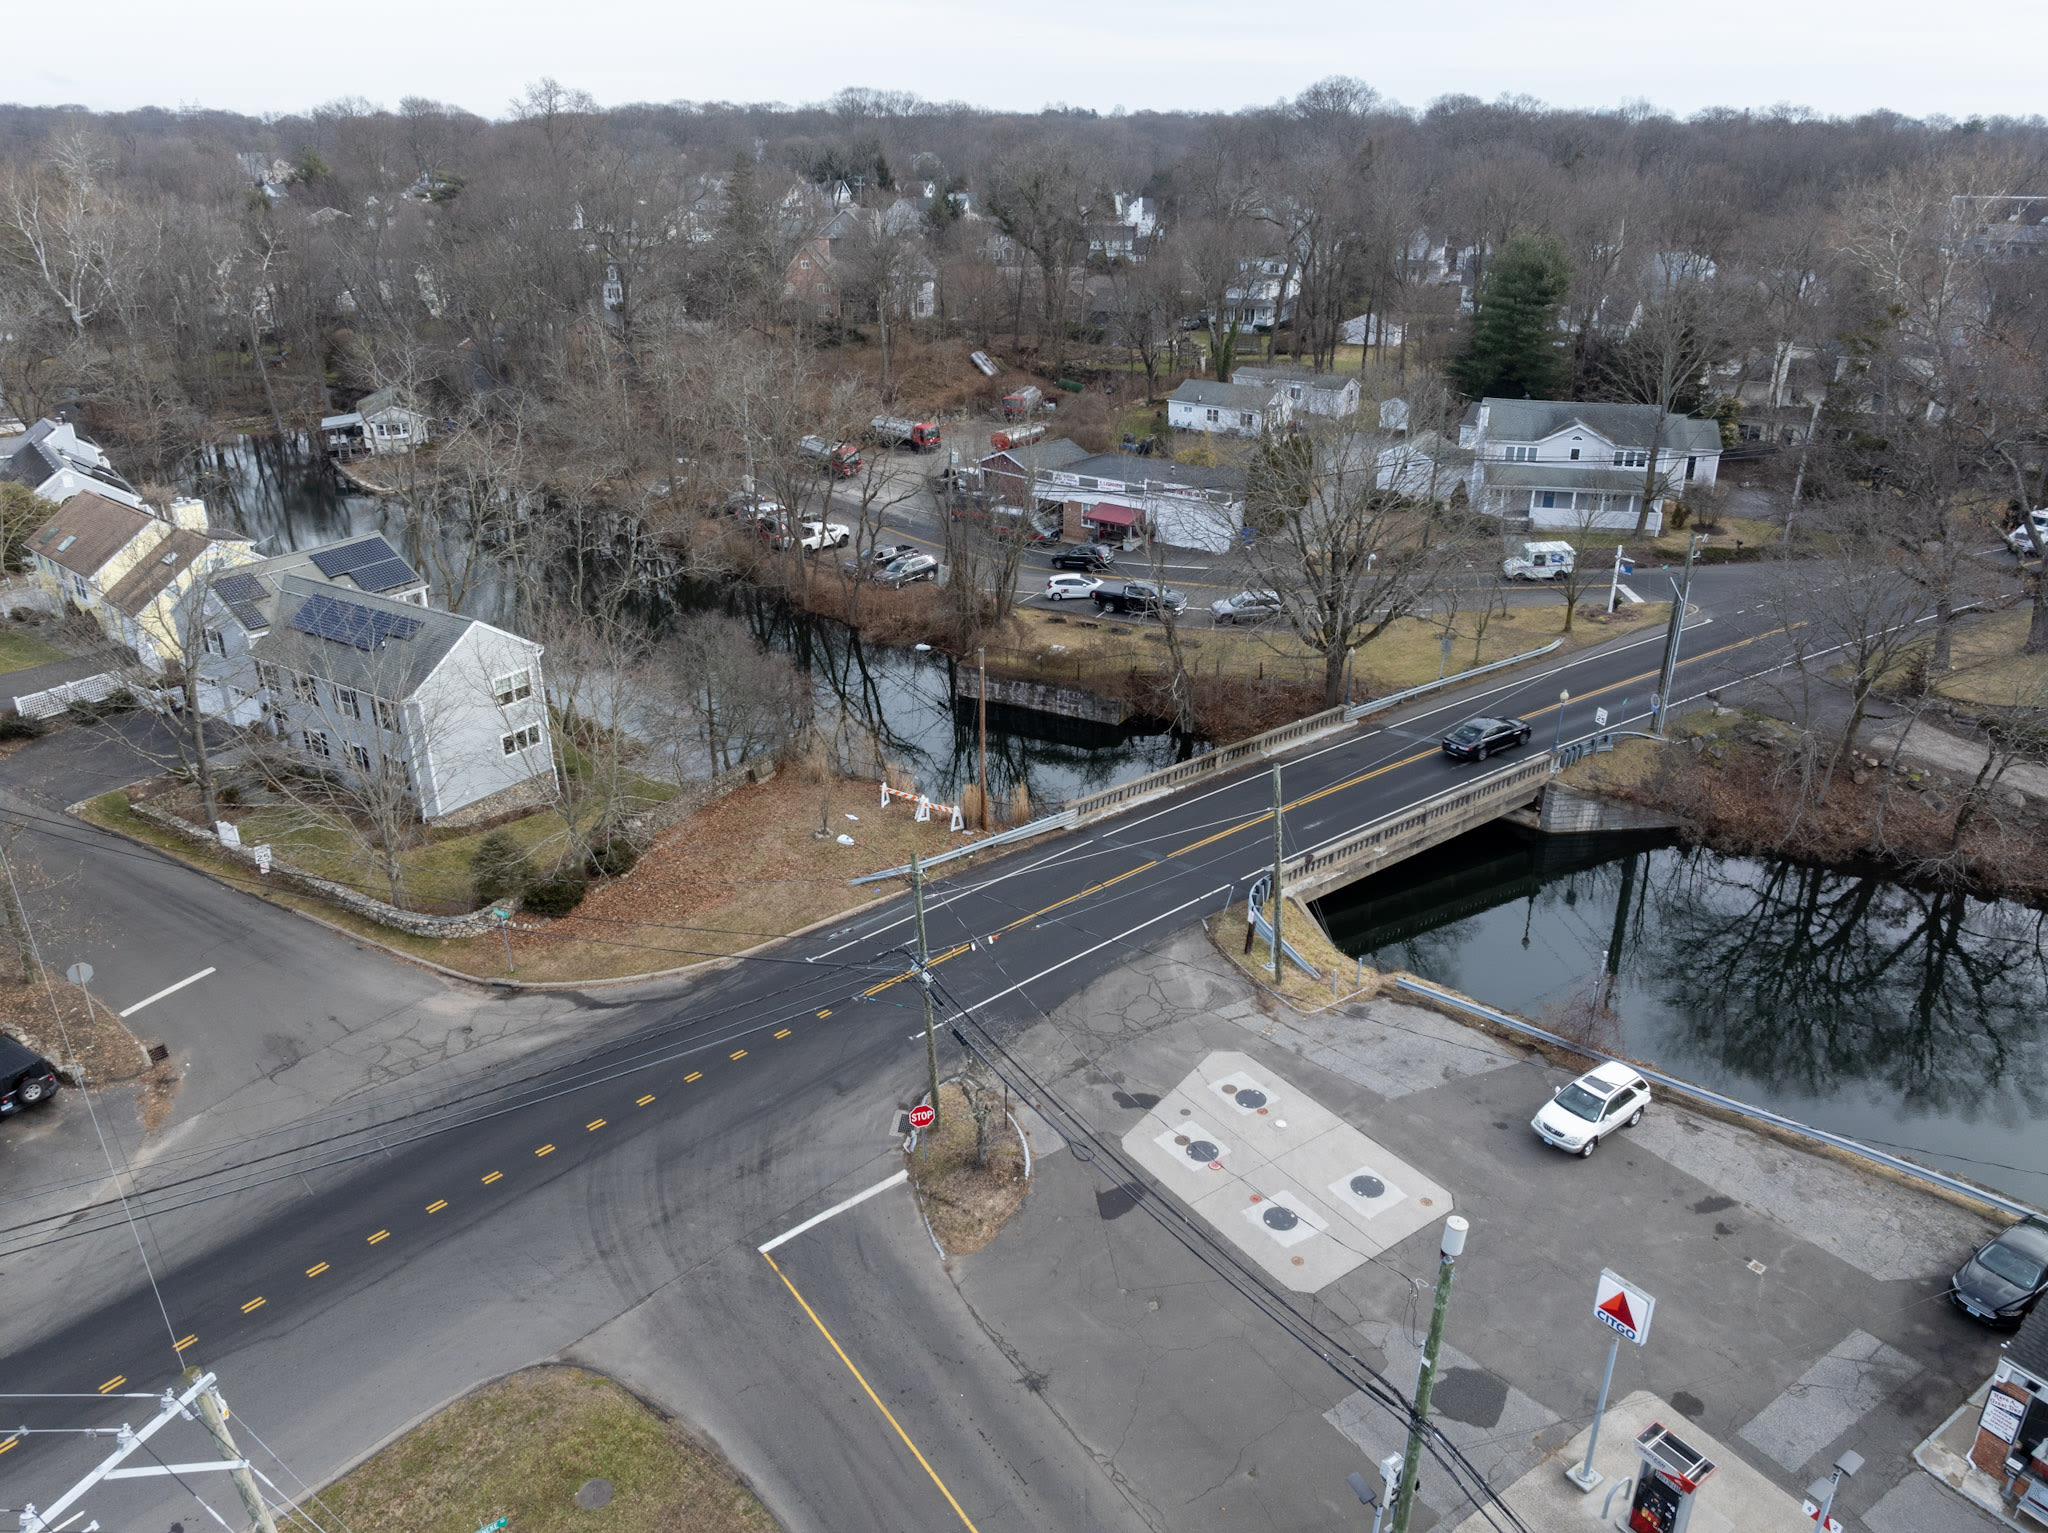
352	1276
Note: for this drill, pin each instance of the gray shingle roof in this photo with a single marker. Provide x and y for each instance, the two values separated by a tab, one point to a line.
1132	469
1051	453
1229	396
1531	420
2029	1349
1333	382
394	669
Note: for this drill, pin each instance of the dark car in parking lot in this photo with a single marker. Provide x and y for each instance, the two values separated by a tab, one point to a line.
2003	1278
1087	557
1476	739
1138	598
26	1078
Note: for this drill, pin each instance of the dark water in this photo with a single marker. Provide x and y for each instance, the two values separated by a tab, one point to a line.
1904	1018
897	698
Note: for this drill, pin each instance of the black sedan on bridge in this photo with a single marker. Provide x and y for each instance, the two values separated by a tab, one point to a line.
1476	739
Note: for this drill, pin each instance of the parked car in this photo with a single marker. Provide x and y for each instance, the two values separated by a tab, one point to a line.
1084	556
1068	587
2003	1278
909	569
2021	543
1476	739
888	553
1592	1107
26	1078
1246	607
817	535
760	507
1138	598
1540	561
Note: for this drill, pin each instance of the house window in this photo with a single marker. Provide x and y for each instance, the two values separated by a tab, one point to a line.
348	702
1628	458
217	643
521	739
388	716
1547	499
1215	416
84	591
1575	455
69	539
266	677
280	717
305	688
1521	455
1690	465
803	263
514	688
316	743
359	757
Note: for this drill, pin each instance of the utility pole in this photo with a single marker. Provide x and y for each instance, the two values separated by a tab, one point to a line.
1279	856
924	985
981	693
214	1412
1425	1380
1668	677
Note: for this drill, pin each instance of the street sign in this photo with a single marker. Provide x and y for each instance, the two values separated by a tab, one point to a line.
1599	718
262	855
1624	1307
923	1115
79	974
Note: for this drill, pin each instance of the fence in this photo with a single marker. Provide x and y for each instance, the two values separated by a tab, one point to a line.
1791	1126
54	700
1216	762
1395	699
1412	830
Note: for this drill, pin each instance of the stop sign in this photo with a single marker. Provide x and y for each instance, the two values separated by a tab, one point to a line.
923	1115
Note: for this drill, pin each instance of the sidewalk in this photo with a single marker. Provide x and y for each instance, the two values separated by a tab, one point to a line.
1963	759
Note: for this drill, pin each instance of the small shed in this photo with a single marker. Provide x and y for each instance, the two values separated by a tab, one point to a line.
380	423
2012	1432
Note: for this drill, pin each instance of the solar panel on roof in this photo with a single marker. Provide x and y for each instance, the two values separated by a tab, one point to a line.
364	627
384	575
350	557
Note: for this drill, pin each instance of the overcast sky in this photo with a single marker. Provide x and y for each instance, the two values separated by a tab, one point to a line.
1839	57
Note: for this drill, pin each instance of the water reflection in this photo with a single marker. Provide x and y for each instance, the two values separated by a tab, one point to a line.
1898	1015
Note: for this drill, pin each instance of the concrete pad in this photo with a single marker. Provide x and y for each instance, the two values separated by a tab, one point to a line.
1849	1213
1855	1377
1272	1170
1735	1497
1390	1048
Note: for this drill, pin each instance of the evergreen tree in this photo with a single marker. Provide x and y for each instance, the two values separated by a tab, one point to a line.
1513	352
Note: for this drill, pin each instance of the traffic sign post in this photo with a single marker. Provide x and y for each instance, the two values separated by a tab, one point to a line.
1625	1310
923	1115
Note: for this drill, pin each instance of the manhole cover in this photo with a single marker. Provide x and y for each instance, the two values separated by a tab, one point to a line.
594	1494
1251	1098
1180	1138
1279	1218
1368	1186
1203	1151
1187	1112
1229	1091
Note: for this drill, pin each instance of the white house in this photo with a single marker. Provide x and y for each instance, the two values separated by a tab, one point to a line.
380	423
358	683
1232	409
1183	505
1306	392
1422	467
1565	464
1369	330
54	461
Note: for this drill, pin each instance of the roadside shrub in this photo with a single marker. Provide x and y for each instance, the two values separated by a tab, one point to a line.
1681	513
14	727
499	868
558	895
612	857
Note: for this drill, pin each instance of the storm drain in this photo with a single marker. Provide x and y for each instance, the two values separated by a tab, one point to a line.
1286	1220
1366	1192
1192	1146
1245	1094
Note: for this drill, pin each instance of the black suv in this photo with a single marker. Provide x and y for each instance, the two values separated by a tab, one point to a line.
1476	739
1084	556
1138	598
26	1078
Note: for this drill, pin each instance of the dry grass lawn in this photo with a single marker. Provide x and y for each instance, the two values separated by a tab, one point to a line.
521	1449
1306	936
1990	668
967	1203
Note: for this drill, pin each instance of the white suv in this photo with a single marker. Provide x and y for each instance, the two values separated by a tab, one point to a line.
1592	1107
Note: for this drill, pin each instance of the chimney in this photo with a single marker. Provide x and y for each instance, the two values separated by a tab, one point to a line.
188	514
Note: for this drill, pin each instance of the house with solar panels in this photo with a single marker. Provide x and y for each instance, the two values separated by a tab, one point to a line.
377	687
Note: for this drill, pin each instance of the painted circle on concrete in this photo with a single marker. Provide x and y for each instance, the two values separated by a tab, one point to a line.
1367	1186
1251	1098
1280	1218
1203	1151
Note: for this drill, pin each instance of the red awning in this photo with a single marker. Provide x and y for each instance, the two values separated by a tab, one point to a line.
1111	516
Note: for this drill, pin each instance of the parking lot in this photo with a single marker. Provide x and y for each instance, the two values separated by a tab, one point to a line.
1800	1301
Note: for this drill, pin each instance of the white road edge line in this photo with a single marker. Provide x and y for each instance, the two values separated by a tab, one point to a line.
1105	942
837	1208
190	979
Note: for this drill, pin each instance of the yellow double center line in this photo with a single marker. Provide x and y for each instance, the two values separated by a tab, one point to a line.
1266	816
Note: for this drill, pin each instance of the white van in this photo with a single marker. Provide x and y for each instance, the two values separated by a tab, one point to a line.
1539	561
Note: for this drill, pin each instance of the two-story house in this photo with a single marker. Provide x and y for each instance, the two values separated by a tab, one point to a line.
1264	293
54	461
1306	392
1560	463
451	709
1230	409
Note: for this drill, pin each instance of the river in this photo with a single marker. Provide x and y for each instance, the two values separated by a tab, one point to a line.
1909	1019
899	697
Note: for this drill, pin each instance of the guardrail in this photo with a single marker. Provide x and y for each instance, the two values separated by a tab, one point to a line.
1686	1088
1061	821
1222	759
1395	699
1422	822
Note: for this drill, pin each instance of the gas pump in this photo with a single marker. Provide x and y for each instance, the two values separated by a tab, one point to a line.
1670	1476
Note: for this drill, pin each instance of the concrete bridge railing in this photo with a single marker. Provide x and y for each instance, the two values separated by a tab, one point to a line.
1386	841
